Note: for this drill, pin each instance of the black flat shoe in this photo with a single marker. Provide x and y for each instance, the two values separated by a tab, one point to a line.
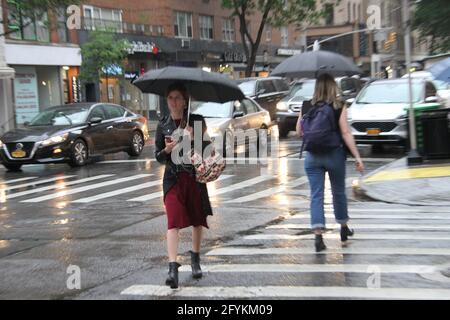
319	243
345	233
172	279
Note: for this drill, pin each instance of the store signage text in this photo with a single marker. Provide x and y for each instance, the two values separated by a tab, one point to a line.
139	46
233	56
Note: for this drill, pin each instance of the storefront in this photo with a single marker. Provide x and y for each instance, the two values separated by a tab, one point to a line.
44	76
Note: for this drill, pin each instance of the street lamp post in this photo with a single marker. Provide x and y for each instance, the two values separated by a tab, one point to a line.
413	156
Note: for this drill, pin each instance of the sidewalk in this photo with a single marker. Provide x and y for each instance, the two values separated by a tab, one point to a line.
426	184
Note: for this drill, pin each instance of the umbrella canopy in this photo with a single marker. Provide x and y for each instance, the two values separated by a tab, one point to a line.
441	70
312	63
201	85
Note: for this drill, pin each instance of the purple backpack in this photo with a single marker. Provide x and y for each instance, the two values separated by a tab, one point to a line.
320	130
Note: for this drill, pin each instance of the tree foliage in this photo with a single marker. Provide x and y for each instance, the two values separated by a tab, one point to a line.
276	13
430	18
102	54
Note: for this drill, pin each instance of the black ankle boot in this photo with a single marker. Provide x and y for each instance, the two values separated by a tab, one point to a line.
172	279
345	233
195	264
319	243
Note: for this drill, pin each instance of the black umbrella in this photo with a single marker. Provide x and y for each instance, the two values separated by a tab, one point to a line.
201	85
312	63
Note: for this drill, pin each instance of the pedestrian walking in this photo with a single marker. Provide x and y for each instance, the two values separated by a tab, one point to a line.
326	134
186	200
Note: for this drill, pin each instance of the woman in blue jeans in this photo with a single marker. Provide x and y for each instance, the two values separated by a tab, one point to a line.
331	161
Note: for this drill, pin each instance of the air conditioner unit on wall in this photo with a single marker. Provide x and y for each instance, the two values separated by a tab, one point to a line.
185	43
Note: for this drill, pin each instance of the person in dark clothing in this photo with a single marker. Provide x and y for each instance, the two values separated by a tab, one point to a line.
331	161
186	200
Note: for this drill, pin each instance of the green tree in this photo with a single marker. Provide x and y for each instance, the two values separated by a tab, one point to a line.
430	18
275	13
102	55
23	12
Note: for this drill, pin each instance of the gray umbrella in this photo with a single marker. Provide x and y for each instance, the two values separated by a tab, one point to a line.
201	85
312	63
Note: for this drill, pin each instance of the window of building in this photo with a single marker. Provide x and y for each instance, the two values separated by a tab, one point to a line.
228	30
284	36
349	12
206	24
63	34
354	12
329	14
102	19
183	25
27	28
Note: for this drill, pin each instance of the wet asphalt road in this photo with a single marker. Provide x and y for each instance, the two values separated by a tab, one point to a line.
106	220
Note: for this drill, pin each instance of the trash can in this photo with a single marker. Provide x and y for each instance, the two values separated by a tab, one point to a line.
436	133
418	110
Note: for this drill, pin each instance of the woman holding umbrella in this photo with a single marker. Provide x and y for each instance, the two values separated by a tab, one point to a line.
186	200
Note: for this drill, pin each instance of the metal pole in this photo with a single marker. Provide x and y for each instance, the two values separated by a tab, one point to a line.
413	156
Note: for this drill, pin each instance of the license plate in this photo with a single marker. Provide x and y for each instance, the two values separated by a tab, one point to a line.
18	154
373	132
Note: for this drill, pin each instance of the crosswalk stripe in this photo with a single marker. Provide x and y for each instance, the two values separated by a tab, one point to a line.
36	183
240	185
301	251
380	216
118	192
17	180
160	194
86	188
63	186
313	268
366	226
392	210
290	292
358	236
270	191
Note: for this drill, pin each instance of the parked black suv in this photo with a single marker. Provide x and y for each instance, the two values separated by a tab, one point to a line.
267	92
288	109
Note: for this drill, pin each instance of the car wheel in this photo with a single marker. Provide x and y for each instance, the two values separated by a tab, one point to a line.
12	167
283	131
137	144
79	154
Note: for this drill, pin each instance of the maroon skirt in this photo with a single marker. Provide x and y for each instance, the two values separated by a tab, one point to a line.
183	204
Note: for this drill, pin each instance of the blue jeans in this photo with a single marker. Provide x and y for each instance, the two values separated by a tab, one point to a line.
315	166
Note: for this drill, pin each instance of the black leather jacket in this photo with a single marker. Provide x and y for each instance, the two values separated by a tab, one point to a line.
166	126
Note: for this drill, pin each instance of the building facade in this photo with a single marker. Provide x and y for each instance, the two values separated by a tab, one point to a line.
45	57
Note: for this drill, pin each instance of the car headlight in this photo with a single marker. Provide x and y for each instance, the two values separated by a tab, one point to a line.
55	139
282	106
1	144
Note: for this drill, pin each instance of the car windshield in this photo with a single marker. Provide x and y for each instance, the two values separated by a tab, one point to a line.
389	93
304	89
60	117
211	109
248	88
441	85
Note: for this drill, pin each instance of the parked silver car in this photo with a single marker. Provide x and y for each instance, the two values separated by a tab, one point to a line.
224	120
378	115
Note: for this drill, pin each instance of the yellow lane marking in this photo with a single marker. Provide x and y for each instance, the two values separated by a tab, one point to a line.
413	173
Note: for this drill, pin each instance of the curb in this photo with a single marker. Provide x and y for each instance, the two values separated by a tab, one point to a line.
364	190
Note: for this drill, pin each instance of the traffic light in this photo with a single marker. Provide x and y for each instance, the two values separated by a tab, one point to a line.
392	37
142	69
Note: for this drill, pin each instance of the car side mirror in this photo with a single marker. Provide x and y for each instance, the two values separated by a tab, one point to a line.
350	101
431	99
347	92
238	114
95	120
260	91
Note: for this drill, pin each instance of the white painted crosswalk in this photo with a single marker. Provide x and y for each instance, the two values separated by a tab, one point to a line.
283	255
